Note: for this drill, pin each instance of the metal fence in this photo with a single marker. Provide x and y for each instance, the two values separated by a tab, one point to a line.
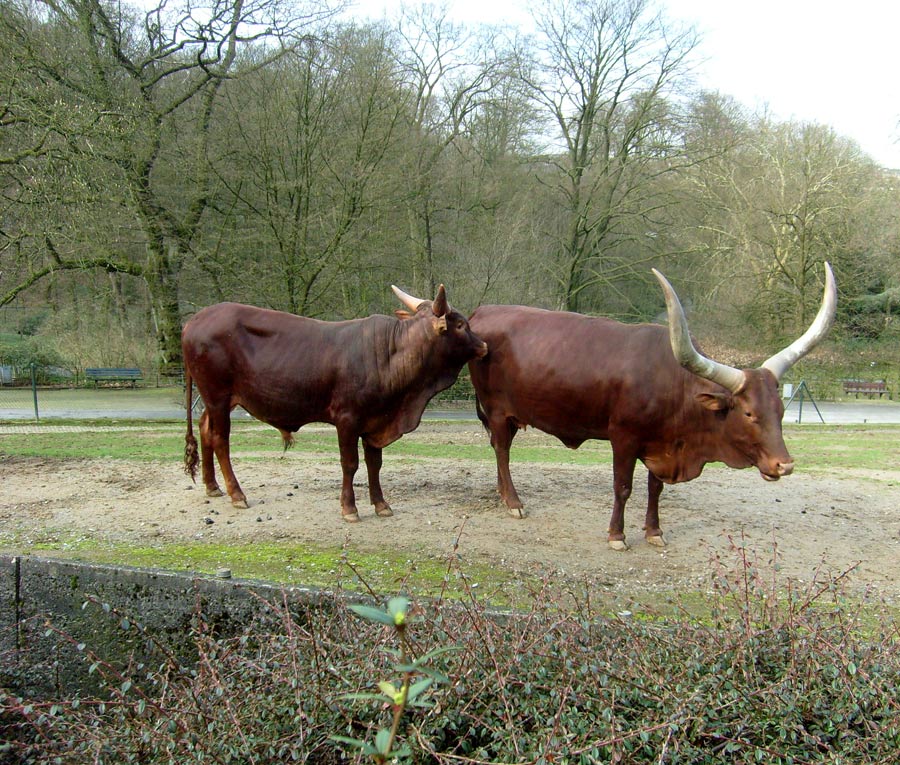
163	398
40	402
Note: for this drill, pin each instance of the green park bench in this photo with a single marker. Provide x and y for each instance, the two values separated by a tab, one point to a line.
98	375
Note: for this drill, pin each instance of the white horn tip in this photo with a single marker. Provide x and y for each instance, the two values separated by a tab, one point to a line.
662	279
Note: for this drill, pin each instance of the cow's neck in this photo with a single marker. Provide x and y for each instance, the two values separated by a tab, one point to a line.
409	376
410	362
690	437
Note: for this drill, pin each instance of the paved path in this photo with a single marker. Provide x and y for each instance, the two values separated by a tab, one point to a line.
843	412
805	412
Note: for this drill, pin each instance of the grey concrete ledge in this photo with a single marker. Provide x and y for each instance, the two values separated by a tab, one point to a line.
55	615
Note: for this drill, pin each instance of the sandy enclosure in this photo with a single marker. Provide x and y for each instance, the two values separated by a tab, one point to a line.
814	522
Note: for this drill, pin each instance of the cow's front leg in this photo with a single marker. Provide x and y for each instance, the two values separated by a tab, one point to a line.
348	441
623	475
652	532
373	468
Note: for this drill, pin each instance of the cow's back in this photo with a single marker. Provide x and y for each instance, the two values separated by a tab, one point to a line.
284	369
567	374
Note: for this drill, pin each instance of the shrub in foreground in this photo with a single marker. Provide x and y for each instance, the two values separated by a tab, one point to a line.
767	675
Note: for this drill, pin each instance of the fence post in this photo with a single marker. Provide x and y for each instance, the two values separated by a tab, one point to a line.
34	392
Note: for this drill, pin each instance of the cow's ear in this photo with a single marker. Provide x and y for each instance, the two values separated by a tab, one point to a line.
717	402
401	314
440	306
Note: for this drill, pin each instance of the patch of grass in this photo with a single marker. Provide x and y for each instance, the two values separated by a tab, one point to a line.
155	443
815	447
832	447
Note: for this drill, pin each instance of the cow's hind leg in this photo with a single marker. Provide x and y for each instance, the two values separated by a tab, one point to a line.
502	433
652	532
373	468
348	442
218	426
207	466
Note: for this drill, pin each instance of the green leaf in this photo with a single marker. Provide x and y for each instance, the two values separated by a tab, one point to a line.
416	688
391	691
372	614
362	696
434	674
426	657
365	746
383	741
398	608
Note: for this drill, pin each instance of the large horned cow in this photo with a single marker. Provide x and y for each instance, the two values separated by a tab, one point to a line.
647	391
371	378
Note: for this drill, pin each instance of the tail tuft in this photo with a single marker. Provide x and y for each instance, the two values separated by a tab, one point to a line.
191	457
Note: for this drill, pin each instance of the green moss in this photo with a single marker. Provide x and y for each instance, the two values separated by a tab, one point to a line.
290	564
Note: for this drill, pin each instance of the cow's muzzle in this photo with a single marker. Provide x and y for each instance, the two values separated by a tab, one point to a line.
781	468
482	351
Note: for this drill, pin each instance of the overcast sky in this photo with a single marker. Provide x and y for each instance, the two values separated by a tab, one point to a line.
833	63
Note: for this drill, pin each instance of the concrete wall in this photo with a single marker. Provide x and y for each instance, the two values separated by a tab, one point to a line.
118	614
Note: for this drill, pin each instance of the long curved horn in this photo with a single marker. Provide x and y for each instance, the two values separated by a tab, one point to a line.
782	361
688	356
408	300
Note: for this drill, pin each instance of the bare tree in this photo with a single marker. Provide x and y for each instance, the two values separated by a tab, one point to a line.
605	73
301	163
788	198
124	100
447	73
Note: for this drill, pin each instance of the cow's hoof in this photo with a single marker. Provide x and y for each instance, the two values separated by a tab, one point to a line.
656	540
240	503
517	512
215	491
383	511
618	544
351	517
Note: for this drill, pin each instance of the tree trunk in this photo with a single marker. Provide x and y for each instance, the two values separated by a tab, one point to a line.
162	285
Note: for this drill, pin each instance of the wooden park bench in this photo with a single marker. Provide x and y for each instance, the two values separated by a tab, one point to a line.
99	375
867	387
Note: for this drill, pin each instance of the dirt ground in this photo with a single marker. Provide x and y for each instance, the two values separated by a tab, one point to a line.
814	524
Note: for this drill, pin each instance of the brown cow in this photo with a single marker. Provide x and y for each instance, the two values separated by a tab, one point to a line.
578	377
371	378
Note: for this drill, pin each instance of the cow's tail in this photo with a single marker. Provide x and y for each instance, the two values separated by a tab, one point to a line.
191	457
481	415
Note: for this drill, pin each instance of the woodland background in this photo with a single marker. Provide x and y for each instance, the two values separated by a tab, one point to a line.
160	158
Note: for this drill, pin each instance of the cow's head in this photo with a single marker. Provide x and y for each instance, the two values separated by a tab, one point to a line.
455	340
748	399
